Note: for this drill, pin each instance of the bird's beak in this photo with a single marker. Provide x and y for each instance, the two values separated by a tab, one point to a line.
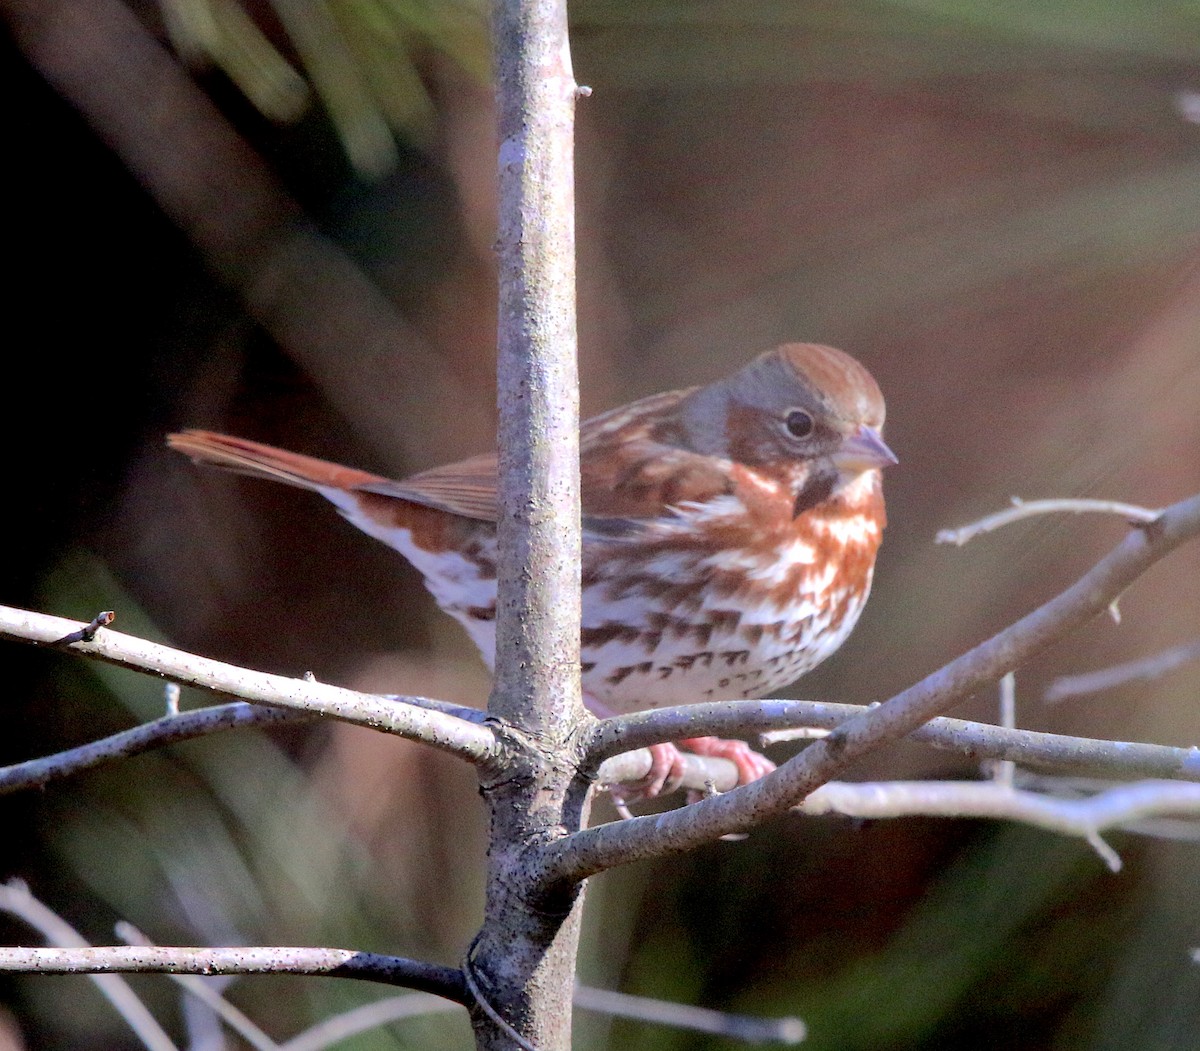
862	451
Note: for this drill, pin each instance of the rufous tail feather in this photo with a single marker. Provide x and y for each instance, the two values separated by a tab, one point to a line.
265	461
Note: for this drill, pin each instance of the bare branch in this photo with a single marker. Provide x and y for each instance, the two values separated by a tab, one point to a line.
976	740
1087	818
700	772
522	962
88	632
631	732
591	850
1005	769
169	729
275	959
1028	509
204	991
342	1026
773	719
537	439
746	1028
1142	670
409	718
17	900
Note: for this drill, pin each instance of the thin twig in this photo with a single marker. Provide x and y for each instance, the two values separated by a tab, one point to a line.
88	632
1144	669
1005	768
1087	818
1029	508
186	726
746	1028
1180	829
342	1026
203	990
296	960
975	740
17	900
467	740
749	1029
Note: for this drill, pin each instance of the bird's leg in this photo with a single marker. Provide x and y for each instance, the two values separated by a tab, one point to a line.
667	764
751	765
663	777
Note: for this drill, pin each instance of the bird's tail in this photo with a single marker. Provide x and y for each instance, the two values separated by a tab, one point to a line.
265	461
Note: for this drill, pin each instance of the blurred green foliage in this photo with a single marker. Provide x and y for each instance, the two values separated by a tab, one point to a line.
359	56
992	201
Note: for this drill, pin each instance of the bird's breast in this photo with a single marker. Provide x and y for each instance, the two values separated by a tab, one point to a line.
713	602
721	604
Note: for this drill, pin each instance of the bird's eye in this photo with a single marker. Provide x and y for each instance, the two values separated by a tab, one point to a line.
799	423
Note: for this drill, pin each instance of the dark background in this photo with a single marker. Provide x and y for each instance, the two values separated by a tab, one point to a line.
998	211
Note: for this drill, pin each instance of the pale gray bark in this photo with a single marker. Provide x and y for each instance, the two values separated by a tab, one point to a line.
523	959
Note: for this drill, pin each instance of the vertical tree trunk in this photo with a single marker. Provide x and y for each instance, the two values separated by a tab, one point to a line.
523	961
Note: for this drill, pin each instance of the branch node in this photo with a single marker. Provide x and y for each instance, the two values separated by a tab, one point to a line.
1151	527
481	1001
1109	856
88	632
835	741
1145	518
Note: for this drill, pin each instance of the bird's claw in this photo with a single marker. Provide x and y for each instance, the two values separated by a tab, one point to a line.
667	769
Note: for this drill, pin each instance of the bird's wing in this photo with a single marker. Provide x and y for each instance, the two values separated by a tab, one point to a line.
632	475
466	488
636	469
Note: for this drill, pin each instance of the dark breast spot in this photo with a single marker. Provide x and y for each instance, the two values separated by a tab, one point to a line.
621	674
611	631
725	620
816	490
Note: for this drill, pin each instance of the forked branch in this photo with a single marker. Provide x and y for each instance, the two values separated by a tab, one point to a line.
413	718
621	742
592	850
617	737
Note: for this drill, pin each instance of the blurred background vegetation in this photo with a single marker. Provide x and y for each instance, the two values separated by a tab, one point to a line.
274	217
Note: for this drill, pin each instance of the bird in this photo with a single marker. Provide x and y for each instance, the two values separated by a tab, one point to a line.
730	534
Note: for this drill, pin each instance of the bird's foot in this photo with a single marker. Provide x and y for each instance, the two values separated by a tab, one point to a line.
667	765
751	765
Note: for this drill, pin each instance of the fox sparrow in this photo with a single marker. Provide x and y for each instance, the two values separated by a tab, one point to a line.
730	533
